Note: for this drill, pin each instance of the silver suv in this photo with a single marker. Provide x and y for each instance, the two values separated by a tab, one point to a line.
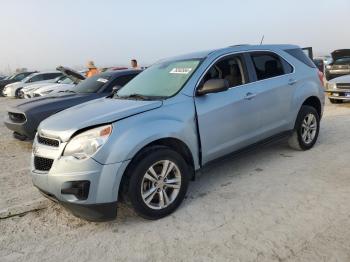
146	142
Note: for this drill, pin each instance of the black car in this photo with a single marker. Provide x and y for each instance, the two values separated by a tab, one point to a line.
340	65
25	118
14	78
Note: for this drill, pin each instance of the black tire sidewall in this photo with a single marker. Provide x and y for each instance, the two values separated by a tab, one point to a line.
305	110
17	92
137	171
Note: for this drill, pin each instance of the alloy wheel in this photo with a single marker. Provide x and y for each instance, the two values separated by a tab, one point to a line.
161	184
309	128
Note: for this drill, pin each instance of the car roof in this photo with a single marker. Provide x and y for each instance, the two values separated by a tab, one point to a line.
231	49
118	73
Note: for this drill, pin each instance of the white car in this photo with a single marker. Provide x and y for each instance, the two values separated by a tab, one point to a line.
12	90
73	78
28	91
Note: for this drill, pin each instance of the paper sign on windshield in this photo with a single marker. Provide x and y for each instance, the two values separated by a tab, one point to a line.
102	80
183	71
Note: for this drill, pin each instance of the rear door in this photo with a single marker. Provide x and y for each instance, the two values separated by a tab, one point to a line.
275	85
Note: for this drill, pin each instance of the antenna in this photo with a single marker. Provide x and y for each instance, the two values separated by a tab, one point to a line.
262	39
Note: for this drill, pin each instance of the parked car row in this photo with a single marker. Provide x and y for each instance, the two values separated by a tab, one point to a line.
141	136
13	89
25	118
12	79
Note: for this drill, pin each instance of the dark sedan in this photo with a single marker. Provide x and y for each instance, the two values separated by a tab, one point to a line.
25	118
14	78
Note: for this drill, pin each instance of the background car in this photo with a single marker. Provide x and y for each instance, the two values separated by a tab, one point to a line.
12	90
27	92
72	79
319	62
338	89
14	78
340	65
25	118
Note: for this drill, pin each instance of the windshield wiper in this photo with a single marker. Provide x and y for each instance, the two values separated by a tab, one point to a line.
134	96
69	91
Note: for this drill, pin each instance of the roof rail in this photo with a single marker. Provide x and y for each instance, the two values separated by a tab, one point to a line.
239	45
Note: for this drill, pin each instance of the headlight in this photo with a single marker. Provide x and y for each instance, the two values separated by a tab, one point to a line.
331	85
88	143
329	67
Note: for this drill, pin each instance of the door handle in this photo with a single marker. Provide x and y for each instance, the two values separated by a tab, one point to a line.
249	96
292	82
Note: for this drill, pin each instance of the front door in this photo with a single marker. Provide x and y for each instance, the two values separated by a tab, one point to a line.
227	120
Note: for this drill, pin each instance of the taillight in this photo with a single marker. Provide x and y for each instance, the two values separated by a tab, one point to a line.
321	75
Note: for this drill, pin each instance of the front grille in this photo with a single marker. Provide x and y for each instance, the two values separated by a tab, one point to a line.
42	163
48	141
17	117
343	85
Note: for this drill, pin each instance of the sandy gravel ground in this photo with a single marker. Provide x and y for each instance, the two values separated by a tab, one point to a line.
273	204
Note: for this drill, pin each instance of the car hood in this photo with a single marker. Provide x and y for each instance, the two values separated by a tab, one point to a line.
341	80
75	76
15	85
100	111
55	87
340	53
35	86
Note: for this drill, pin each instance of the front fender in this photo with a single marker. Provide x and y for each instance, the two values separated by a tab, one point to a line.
132	134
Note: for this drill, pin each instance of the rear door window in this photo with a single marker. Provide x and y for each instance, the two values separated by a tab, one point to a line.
268	65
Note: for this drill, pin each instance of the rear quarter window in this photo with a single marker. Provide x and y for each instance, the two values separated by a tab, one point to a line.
300	55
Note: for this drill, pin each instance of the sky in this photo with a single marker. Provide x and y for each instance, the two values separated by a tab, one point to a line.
41	34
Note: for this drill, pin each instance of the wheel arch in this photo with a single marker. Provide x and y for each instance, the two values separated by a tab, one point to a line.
169	142
314	102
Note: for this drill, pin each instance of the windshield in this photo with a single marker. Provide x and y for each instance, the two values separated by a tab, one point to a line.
92	84
342	61
19	77
164	79
26	79
66	80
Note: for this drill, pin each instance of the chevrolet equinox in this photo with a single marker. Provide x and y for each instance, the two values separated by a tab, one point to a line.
145	143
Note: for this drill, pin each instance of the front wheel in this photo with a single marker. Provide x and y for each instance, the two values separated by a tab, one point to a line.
158	181
306	129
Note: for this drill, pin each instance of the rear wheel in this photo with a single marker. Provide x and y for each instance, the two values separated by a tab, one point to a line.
158	181
335	101
306	129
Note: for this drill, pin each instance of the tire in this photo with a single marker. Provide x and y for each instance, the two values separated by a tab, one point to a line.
17	93
139	185
335	101
297	140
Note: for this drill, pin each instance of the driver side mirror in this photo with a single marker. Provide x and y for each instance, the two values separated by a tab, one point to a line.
213	86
